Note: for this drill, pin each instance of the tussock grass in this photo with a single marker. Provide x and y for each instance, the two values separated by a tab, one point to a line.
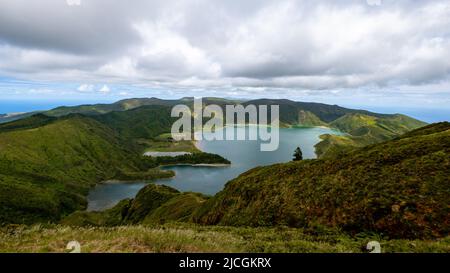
181	238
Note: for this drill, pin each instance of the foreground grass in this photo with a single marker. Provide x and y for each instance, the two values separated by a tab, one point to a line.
191	238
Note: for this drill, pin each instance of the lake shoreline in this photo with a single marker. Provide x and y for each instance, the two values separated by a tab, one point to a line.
209	179
115	182
221	165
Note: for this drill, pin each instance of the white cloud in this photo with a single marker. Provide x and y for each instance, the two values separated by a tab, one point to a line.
374	2
312	45
41	91
86	88
73	2
105	89
167	54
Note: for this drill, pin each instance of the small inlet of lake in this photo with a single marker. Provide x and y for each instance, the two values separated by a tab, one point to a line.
244	155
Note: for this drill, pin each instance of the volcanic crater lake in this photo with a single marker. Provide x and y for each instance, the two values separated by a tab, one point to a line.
244	155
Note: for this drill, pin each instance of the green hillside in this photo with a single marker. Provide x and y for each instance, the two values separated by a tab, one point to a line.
359	124
48	164
97	109
144	118
126	104
291	112
154	204
399	188
140	123
363	130
27	123
308	119
9	118
45	171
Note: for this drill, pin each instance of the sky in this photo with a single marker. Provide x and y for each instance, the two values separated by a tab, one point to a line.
359	53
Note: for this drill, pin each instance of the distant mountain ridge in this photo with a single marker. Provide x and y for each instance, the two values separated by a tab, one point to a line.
363	127
325	112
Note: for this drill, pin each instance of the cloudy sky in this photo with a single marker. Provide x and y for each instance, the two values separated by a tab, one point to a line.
350	52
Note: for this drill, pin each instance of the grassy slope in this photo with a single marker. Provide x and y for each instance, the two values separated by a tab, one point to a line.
290	111
363	127
10	118
27	123
141	123
399	188
117	128
47	164
97	109
364	130
154	204
191	238
307	119
129	104
46	171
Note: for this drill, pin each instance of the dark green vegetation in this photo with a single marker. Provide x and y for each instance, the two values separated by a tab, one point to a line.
196	158
48	164
145	122
363	127
400	188
54	158
154	204
98	109
362	189
298	155
123	105
9	118
46	171
27	123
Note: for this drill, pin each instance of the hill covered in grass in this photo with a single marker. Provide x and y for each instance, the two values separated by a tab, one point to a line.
145	122
399	188
154	204
363	130
55	159
48	164
145	117
98	109
291	112
45	171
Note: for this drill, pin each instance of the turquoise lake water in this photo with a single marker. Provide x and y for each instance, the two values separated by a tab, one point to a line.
244	156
